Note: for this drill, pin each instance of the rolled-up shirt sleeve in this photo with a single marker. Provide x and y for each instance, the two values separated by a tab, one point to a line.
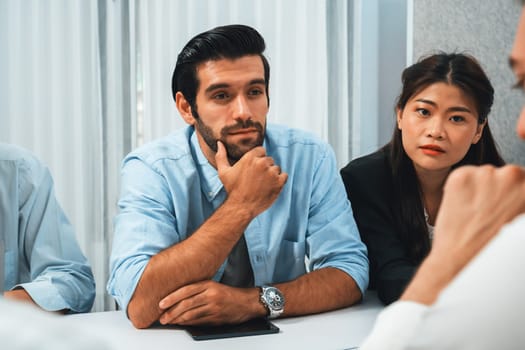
333	237
144	226
54	272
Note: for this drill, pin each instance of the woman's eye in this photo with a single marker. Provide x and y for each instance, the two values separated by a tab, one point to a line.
457	119
423	112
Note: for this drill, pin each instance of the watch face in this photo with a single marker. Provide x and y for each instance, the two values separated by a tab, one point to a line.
274	298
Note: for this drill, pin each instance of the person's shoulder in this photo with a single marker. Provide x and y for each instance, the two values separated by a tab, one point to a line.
296	146
284	136
371	171
376	161
15	153
171	147
368	177
23	158
30	171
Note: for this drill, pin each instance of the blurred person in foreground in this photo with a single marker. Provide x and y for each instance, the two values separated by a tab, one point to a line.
468	293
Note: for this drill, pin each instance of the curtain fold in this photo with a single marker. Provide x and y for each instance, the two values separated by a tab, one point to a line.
85	82
50	103
298	40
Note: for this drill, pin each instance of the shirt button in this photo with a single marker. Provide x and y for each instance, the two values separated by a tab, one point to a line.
210	194
258	258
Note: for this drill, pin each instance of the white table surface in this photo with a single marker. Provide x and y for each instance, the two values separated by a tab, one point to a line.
338	329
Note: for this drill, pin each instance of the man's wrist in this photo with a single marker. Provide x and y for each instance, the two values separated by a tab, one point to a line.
273	300
242	211
252	300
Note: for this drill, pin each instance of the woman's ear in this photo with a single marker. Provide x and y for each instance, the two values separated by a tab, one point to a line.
399	114
479	132
184	108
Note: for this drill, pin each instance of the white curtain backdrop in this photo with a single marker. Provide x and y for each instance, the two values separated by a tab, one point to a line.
84	82
50	103
67	94
297	35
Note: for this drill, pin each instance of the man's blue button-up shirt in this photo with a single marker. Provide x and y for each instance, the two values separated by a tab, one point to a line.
169	189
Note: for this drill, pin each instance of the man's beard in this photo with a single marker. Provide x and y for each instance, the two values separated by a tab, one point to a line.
234	151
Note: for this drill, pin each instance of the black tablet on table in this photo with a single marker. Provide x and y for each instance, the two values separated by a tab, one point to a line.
256	326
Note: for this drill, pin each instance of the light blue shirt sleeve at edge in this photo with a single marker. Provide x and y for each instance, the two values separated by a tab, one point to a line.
58	275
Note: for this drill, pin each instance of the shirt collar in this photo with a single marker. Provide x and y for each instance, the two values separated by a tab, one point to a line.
209	178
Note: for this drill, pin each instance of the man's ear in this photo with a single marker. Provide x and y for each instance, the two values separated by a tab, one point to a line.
399	113
184	108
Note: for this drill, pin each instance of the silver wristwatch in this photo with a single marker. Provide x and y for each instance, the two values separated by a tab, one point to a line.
273	300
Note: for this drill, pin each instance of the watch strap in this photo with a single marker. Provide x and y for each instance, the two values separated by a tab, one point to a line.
273	301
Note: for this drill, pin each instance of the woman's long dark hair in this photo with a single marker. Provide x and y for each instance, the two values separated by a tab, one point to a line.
464	72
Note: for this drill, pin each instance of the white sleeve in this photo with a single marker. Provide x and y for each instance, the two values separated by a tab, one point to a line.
395	326
482	308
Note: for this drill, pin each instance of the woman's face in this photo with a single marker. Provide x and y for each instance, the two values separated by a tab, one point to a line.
438	125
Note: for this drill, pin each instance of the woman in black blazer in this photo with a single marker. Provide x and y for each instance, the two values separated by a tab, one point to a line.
396	192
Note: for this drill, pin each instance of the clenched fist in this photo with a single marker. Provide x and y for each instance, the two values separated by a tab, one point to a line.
254	182
477	202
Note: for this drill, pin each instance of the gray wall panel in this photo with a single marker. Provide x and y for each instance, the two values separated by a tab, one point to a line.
484	29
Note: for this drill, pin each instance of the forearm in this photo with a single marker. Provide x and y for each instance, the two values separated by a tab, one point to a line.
322	290
19	294
477	202
318	291
194	259
431	277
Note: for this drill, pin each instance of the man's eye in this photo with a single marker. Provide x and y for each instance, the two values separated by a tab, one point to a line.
220	96
255	92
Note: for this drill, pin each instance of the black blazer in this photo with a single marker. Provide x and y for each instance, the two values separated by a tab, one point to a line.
369	186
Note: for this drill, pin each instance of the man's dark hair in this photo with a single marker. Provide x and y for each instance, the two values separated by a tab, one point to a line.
230	42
